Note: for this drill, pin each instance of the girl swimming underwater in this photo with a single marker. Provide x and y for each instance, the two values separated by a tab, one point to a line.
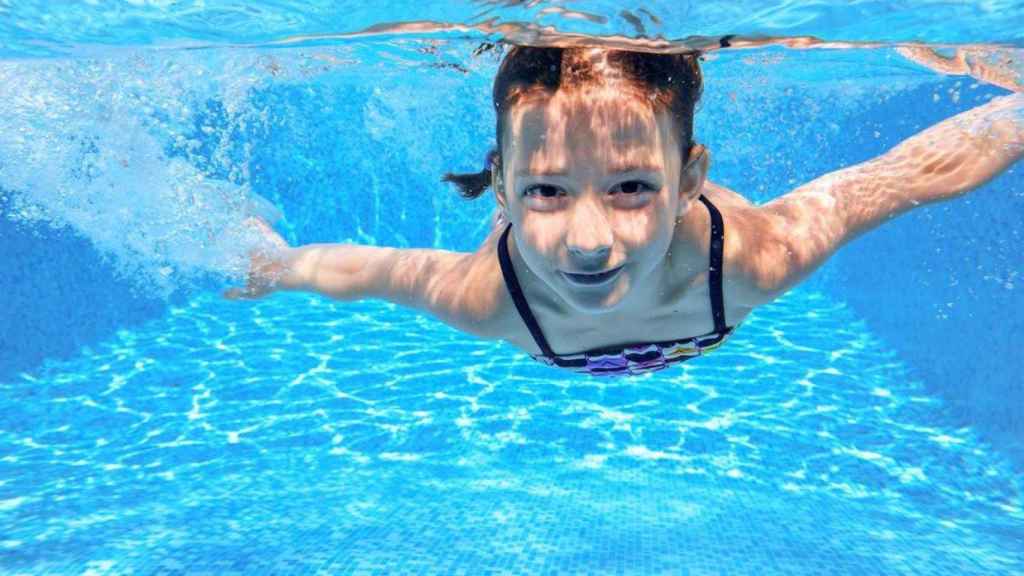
611	252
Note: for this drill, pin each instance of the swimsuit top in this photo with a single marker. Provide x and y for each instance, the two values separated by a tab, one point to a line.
633	358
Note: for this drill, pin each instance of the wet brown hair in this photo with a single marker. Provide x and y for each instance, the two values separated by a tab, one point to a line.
671	81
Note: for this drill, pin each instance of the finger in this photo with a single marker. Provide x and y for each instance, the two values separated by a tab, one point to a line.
267	231
239	294
259	223
915	53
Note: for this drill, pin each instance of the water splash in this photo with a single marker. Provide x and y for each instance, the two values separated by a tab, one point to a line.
110	150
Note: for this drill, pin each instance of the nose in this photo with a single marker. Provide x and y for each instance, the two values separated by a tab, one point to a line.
589	240
587	261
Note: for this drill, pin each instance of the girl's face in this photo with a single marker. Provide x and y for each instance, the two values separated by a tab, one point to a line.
591	183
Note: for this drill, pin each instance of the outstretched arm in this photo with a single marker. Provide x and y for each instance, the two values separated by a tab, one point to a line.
800	230
992	65
458	288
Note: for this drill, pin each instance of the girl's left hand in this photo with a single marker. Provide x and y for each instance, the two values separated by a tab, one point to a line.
996	66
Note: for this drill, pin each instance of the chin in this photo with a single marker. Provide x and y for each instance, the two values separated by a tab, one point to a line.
587	308
594	302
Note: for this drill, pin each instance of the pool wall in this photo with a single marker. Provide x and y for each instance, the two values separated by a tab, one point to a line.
951	309
942	285
59	295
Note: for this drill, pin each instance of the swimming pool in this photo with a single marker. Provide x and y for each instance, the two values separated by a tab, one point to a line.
867	423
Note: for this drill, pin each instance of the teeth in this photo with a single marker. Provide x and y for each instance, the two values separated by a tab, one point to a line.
597	278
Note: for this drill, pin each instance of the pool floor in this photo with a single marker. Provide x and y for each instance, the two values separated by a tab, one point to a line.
300	435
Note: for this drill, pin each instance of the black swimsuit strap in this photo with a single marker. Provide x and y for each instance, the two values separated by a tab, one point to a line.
516	291
714	280
715	265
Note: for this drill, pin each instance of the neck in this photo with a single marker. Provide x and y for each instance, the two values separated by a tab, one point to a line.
685	261
688	255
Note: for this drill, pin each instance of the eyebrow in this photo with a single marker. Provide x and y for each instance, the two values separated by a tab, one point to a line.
614	170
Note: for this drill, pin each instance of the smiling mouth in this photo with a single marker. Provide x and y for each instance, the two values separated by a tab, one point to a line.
592	279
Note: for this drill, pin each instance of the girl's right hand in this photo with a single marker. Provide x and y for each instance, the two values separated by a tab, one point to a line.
267	267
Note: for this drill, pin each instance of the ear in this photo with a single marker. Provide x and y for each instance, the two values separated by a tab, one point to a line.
498	185
693	175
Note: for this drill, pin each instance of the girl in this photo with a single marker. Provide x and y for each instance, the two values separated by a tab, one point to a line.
611	252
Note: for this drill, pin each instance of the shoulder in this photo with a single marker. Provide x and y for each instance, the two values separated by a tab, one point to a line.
755	253
470	295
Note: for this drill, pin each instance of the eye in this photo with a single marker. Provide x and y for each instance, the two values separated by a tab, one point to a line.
542	191
633	194
633	187
544	197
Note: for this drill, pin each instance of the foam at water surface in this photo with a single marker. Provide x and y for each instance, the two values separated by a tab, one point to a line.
30	29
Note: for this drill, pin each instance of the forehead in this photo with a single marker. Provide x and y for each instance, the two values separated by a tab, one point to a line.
603	126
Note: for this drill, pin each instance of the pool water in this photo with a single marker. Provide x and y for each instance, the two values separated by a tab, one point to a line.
301	435
868	422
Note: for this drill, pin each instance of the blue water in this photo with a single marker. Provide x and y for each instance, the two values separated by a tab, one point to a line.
298	435
869	422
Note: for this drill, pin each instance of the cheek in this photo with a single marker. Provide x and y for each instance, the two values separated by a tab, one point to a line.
638	229
539	244
541	234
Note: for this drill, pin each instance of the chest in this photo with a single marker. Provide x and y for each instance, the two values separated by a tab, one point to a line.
569	334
